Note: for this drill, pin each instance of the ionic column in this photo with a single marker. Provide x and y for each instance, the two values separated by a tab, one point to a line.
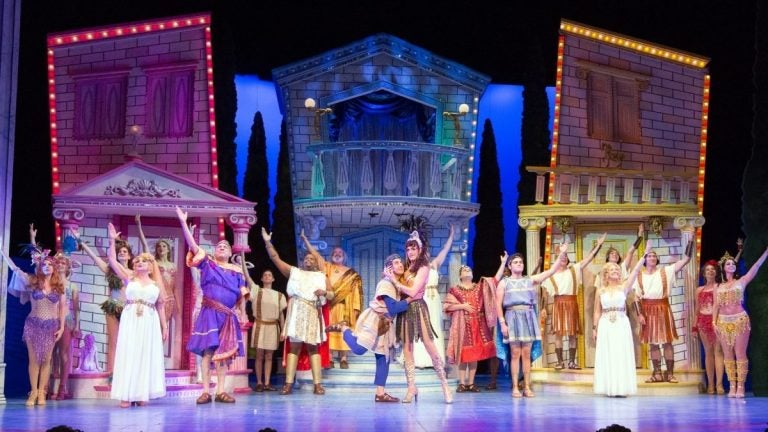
687	227
241	224
69	219
533	226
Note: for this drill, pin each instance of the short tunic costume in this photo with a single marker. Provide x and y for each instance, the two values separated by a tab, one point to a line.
216	327
564	286
303	321
268	307
421	358
519	309
471	335
653	292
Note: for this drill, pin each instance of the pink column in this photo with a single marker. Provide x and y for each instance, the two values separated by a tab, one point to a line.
241	224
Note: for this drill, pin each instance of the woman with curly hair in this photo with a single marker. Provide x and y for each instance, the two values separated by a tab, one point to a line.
45	323
704	328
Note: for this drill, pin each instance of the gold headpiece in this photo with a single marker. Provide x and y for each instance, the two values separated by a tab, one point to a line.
725	258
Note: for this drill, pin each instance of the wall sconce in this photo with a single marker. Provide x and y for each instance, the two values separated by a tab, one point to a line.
311	105
135	132
463	110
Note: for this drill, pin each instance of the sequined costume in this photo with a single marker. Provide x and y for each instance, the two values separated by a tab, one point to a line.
43	320
411	323
704	323
730	326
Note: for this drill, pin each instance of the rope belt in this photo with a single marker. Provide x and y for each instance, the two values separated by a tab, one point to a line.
267	322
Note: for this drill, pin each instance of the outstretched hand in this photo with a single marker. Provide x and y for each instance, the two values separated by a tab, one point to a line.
504	257
181	214
112	232
265	235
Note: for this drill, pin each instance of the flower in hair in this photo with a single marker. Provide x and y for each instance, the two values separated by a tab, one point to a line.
414	237
39	256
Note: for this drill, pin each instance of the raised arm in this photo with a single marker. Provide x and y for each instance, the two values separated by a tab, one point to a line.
541	277
247	275
142	239
191	243
32	234
754	269
311	249
281	265
740	248
100	263
630	255
591	255
630	282
438	260
118	268
539	265
686	257
502	265
14	268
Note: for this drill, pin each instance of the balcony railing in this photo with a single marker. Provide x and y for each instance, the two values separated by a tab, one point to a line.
581	185
390	168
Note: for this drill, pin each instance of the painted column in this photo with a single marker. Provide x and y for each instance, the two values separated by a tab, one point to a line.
241	224
69	219
10	12
533	226
687	227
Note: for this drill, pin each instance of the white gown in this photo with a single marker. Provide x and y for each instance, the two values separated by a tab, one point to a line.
139	372
615	373
434	302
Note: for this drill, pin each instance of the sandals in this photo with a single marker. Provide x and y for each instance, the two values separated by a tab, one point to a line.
269	388
572	365
491	386
528	393
204	398
319	390
670	378
472	388
344	364
287	389
386	397
559	366
259	388
656	377
461	388
125	404
223	397
516	393
338	327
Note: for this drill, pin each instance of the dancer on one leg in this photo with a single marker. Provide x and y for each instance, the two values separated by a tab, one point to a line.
305	325
414	324
704	327
516	297
375	330
45	323
216	335
654	313
473	317
139	358
732	322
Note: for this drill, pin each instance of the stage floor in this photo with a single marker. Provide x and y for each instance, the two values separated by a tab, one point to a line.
340	412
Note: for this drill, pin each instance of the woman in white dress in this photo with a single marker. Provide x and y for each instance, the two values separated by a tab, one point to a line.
615	373
139	373
421	357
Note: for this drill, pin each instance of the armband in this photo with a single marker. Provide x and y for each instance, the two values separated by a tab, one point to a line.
689	249
637	242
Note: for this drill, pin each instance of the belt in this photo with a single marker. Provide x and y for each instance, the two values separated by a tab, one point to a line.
518	307
615	309
140	302
270	322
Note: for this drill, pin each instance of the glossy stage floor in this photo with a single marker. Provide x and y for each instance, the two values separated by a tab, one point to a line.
342	411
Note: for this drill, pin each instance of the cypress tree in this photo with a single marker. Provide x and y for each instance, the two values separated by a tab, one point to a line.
755	209
489	223
284	228
534	130
256	189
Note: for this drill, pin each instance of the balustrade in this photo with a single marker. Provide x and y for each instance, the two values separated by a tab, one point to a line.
615	186
389	168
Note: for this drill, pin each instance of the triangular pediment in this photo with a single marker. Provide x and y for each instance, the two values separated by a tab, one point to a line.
373	46
137	187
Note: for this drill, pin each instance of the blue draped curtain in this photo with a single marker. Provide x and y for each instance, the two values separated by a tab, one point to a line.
382	116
